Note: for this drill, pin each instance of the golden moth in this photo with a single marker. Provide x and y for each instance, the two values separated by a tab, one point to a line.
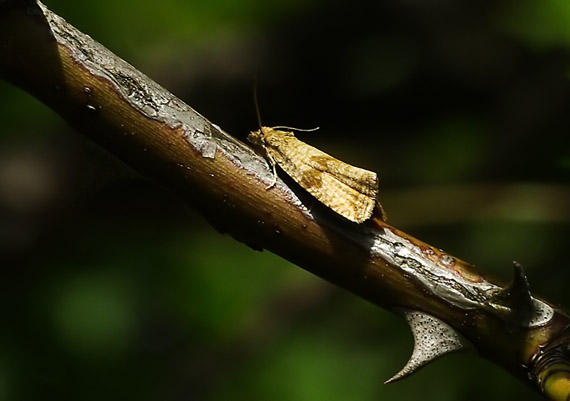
349	191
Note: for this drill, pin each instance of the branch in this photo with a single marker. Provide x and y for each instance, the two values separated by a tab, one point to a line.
448	304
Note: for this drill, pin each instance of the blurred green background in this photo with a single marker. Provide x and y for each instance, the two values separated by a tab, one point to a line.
112	288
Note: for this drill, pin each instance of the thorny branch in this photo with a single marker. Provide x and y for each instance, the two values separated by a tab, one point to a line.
446	302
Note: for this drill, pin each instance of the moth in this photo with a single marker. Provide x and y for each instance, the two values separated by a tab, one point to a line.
349	191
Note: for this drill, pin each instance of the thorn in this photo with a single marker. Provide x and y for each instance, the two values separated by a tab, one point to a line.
432	338
517	299
517	293
515	305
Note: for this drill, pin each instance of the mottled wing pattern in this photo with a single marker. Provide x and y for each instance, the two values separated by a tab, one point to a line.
345	200
350	191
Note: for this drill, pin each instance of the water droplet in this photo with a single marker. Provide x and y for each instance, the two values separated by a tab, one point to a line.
148	110
201	142
87	90
276	229
447	260
92	108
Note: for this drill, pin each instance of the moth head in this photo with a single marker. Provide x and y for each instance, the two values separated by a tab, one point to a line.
256	138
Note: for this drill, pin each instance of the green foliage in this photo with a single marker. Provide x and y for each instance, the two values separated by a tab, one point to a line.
93	313
543	24
121	294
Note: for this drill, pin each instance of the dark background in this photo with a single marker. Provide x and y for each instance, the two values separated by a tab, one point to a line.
112	288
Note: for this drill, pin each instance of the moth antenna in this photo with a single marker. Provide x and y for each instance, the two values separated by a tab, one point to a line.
256	102
296	129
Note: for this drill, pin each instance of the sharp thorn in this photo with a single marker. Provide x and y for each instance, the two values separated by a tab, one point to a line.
432	338
517	293
516	298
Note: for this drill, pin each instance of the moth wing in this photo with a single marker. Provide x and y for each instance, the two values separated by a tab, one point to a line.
359	179
350	191
345	200
363	181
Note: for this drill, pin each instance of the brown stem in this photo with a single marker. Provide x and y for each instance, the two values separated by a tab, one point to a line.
149	128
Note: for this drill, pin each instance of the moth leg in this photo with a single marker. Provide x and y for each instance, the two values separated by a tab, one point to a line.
272	162
379	211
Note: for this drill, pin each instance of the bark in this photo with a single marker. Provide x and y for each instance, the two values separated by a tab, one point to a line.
443	298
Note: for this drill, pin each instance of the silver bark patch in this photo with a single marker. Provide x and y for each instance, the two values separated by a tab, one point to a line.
202	141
